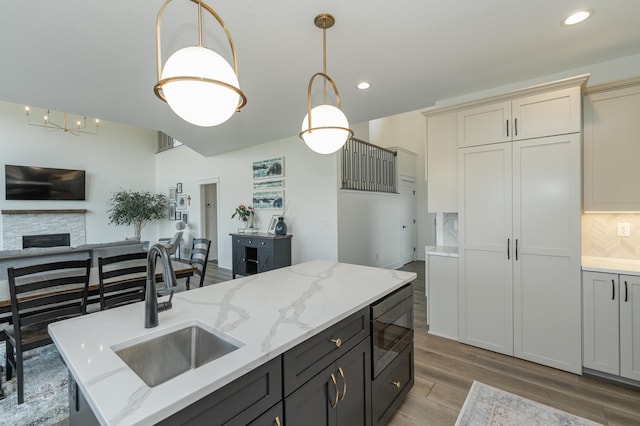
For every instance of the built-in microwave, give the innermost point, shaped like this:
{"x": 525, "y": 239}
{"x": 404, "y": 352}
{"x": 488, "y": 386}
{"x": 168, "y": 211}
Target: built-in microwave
{"x": 391, "y": 327}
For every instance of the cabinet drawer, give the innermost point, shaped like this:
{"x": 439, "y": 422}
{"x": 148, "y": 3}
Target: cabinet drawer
{"x": 312, "y": 356}
{"x": 390, "y": 387}
{"x": 272, "y": 417}
{"x": 237, "y": 403}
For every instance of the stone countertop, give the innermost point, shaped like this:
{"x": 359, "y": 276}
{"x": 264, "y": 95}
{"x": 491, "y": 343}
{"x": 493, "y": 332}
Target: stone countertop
{"x": 611, "y": 265}
{"x": 451, "y": 251}
{"x": 268, "y": 313}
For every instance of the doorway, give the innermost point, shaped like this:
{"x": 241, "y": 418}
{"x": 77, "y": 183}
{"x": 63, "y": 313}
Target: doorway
{"x": 209, "y": 214}
{"x": 408, "y": 217}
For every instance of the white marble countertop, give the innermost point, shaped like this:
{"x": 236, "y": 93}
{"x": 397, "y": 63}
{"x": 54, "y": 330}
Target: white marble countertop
{"x": 268, "y": 313}
{"x": 441, "y": 251}
{"x": 611, "y": 265}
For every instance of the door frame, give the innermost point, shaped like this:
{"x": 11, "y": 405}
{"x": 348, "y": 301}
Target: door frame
{"x": 201, "y": 184}
{"x": 412, "y": 207}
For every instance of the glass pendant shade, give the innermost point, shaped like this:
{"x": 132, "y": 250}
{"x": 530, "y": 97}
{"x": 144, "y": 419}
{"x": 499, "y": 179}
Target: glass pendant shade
{"x": 330, "y": 129}
{"x": 198, "y": 102}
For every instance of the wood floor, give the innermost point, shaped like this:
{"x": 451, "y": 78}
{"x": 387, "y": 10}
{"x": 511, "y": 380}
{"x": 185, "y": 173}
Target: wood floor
{"x": 445, "y": 370}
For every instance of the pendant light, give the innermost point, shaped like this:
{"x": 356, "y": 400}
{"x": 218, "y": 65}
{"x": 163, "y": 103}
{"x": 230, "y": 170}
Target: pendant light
{"x": 198, "y": 84}
{"x": 325, "y": 128}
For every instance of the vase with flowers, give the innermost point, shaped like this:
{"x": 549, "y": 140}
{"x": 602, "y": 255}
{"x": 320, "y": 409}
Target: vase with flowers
{"x": 245, "y": 214}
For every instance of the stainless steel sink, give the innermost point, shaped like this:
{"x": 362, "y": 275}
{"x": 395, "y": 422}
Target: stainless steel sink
{"x": 164, "y": 357}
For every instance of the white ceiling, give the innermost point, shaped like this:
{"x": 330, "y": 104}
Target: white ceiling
{"x": 97, "y": 58}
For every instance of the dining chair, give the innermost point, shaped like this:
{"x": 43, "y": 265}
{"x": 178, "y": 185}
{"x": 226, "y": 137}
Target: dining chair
{"x": 122, "y": 279}
{"x": 40, "y": 295}
{"x": 199, "y": 257}
{"x": 173, "y": 245}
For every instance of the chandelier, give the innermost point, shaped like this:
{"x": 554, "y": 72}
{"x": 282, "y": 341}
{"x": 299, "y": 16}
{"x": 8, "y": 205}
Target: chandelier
{"x": 198, "y": 84}
{"x": 51, "y": 126}
{"x": 325, "y": 128}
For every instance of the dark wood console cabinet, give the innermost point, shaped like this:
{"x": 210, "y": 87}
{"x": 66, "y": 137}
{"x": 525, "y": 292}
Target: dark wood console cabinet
{"x": 255, "y": 253}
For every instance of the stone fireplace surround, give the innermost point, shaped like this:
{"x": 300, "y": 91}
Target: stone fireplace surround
{"x": 16, "y": 223}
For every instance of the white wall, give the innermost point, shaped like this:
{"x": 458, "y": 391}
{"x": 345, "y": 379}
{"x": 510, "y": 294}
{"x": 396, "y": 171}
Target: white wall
{"x": 310, "y": 194}
{"x": 408, "y": 131}
{"x": 119, "y": 156}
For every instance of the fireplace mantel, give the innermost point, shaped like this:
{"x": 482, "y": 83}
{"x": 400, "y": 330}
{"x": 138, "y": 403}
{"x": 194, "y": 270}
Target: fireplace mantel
{"x": 59, "y": 211}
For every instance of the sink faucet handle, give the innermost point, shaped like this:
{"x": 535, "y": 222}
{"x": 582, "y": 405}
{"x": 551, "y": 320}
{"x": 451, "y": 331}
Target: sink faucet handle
{"x": 165, "y": 306}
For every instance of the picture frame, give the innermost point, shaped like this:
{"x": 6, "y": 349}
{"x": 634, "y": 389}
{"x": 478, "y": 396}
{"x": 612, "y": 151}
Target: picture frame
{"x": 181, "y": 202}
{"x": 268, "y": 200}
{"x": 178, "y": 216}
{"x": 262, "y": 185}
{"x": 172, "y": 194}
{"x": 268, "y": 169}
{"x": 272, "y": 224}
{"x": 179, "y": 188}
{"x": 184, "y": 218}
{"x": 172, "y": 211}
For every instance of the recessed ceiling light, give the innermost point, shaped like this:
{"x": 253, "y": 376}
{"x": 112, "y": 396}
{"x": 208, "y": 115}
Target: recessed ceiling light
{"x": 363, "y": 85}
{"x": 578, "y": 17}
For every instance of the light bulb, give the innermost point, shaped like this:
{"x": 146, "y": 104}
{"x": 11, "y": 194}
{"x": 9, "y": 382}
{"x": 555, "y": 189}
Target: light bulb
{"x": 199, "y": 102}
{"x": 325, "y": 141}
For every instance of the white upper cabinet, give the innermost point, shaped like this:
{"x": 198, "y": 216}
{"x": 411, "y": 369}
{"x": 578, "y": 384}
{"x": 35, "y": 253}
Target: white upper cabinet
{"x": 612, "y": 149}
{"x": 532, "y": 115}
{"x": 442, "y": 163}
{"x": 484, "y": 125}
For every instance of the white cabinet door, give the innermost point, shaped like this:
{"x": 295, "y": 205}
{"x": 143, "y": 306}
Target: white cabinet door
{"x": 547, "y": 114}
{"x": 442, "y": 163}
{"x": 485, "y": 268}
{"x": 630, "y": 327}
{"x": 601, "y": 342}
{"x": 546, "y": 229}
{"x": 443, "y": 296}
{"x": 487, "y": 124}
{"x": 612, "y": 150}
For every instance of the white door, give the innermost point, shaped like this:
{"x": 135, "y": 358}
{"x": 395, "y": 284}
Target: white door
{"x": 630, "y": 326}
{"x": 600, "y": 322}
{"x": 211, "y": 218}
{"x": 485, "y": 247}
{"x": 408, "y": 205}
{"x": 546, "y": 231}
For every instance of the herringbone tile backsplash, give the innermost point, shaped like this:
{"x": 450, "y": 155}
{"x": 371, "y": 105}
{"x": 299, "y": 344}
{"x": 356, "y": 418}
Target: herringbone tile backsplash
{"x": 600, "y": 235}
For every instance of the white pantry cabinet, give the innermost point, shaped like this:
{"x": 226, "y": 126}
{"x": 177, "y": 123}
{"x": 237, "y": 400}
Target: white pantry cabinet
{"x": 612, "y": 147}
{"x": 519, "y": 273}
{"x": 611, "y": 323}
{"x": 538, "y": 115}
{"x": 442, "y": 163}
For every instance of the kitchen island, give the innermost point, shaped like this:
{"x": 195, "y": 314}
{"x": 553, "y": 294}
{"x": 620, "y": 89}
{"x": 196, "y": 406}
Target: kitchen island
{"x": 266, "y": 315}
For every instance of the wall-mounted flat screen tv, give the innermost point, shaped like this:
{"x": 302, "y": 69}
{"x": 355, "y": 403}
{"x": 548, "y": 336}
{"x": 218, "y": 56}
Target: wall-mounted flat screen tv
{"x": 43, "y": 183}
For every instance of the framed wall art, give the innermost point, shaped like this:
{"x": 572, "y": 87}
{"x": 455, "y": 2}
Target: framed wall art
{"x": 179, "y": 188}
{"x": 181, "y": 202}
{"x": 268, "y": 169}
{"x": 268, "y": 199}
{"x": 172, "y": 211}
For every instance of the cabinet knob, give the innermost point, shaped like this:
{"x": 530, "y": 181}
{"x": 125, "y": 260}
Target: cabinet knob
{"x": 262, "y": 243}
{"x": 396, "y": 384}
{"x": 337, "y": 341}
{"x": 249, "y": 241}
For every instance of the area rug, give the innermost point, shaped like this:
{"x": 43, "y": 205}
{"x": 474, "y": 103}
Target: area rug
{"x": 488, "y": 406}
{"x": 46, "y": 394}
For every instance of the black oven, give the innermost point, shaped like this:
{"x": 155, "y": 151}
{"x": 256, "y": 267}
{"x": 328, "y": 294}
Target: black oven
{"x": 391, "y": 327}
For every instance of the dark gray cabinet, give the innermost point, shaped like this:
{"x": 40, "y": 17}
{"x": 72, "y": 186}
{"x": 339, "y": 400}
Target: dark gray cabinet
{"x": 255, "y": 253}
{"x": 391, "y": 386}
{"x": 339, "y": 395}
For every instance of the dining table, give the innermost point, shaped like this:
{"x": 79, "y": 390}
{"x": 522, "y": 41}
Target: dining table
{"x": 181, "y": 269}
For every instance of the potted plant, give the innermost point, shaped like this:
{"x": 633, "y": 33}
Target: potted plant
{"x": 136, "y": 208}
{"x": 245, "y": 214}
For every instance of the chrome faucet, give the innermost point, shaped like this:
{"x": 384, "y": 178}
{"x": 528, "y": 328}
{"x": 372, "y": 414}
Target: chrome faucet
{"x": 151, "y": 305}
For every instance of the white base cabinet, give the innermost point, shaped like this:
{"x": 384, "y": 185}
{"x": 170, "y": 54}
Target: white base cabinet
{"x": 611, "y": 323}
{"x": 442, "y": 297}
